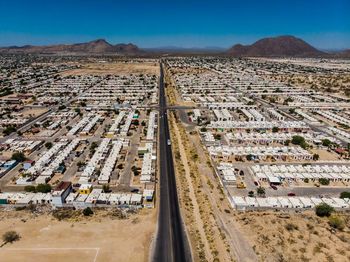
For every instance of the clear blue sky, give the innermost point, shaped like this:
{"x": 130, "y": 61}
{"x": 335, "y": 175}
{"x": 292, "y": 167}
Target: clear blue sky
{"x": 191, "y": 23}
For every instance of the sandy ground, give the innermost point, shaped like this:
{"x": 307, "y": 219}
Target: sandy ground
{"x": 278, "y": 236}
{"x": 33, "y": 112}
{"x": 115, "y": 68}
{"x": 325, "y": 155}
{"x": 97, "y": 238}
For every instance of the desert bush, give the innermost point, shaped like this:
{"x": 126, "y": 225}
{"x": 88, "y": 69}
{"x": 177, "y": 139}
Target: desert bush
{"x": 336, "y": 222}
{"x": 324, "y": 210}
{"x": 291, "y": 227}
{"x": 87, "y": 211}
{"x": 10, "y": 236}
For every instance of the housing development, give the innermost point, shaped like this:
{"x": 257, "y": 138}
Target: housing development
{"x": 195, "y": 156}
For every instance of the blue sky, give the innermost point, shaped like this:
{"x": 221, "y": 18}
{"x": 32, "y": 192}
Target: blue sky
{"x": 191, "y": 23}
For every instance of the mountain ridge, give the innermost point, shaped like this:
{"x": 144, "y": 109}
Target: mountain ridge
{"x": 98, "y": 46}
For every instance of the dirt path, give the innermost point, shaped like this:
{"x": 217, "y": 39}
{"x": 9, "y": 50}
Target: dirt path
{"x": 238, "y": 243}
{"x": 196, "y": 211}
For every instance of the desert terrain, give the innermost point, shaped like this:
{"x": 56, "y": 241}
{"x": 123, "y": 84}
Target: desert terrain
{"x": 104, "y": 236}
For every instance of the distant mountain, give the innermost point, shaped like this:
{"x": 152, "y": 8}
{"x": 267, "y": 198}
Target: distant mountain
{"x": 276, "y": 46}
{"x": 343, "y": 54}
{"x": 185, "y": 50}
{"x": 99, "y": 46}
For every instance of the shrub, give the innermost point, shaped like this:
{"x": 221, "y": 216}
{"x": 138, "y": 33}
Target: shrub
{"x": 316, "y": 157}
{"x": 291, "y": 227}
{"x": 8, "y": 130}
{"x": 326, "y": 142}
{"x": 87, "y": 211}
{"x": 62, "y": 214}
{"x": 336, "y": 222}
{"x": 43, "y": 188}
{"x": 29, "y": 188}
{"x": 260, "y": 191}
{"x": 324, "y": 181}
{"x": 324, "y": 210}
{"x": 106, "y": 189}
{"x": 48, "y": 145}
{"x": 10, "y": 236}
{"x": 306, "y": 180}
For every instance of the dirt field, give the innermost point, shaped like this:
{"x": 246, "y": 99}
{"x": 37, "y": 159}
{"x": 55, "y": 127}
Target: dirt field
{"x": 115, "y": 68}
{"x": 34, "y": 112}
{"x": 98, "y": 238}
{"x": 277, "y": 236}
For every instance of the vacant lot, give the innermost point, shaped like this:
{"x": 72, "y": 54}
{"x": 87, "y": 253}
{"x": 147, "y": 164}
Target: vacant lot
{"x": 277, "y": 236}
{"x": 115, "y": 68}
{"x": 102, "y": 237}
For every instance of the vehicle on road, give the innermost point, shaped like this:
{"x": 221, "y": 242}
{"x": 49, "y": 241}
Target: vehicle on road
{"x": 169, "y": 142}
{"x": 291, "y": 194}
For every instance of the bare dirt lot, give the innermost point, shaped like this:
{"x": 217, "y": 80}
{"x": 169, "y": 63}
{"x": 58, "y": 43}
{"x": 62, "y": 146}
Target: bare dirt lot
{"x": 115, "y": 68}
{"x": 278, "y": 236}
{"x": 101, "y": 237}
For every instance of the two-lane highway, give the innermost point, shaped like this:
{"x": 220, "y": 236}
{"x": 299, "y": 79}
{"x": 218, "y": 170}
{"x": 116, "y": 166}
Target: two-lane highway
{"x": 171, "y": 242}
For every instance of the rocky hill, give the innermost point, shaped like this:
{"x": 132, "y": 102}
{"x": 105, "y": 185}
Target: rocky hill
{"x": 276, "y": 46}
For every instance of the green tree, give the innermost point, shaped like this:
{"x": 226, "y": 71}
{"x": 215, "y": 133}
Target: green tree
{"x": 275, "y": 129}
{"x": 324, "y": 210}
{"x": 299, "y": 140}
{"x": 8, "y": 130}
{"x": 324, "y": 181}
{"x": 18, "y": 156}
{"x": 260, "y": 191}
{"x": 345, "y": 194}
{"x": 43, "y": 188}
{"x": 93, "y": 146}
{"x": 326, "y": 142}
{"x": 87, "y": 211}
{"x": 48, "y": 145}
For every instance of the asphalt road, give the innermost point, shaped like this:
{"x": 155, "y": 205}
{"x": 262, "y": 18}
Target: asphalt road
{"x": 171, "y": 243}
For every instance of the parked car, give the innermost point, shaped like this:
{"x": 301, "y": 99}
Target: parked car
{"x": 273, "y": 187}
{"x": 291, "y": 194}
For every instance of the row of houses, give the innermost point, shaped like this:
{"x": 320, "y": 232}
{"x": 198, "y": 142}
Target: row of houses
{"x": 260, "y": 125}
{"x": 64, "y": 196}
{"x": 277, "y": 174}
{"x": 228, "y": 153}
{"x": 251, "y": 203}
{"x": 110, "y": 162}
{"x": 334, "y": 117}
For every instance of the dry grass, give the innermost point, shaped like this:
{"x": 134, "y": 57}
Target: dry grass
{"x": 115, "y": 68}
{"x": 278, "y": 236}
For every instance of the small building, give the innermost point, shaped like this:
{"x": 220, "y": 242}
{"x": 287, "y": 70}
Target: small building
{"x": 60, "y": 193}
{"x": 85, "y": 189}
